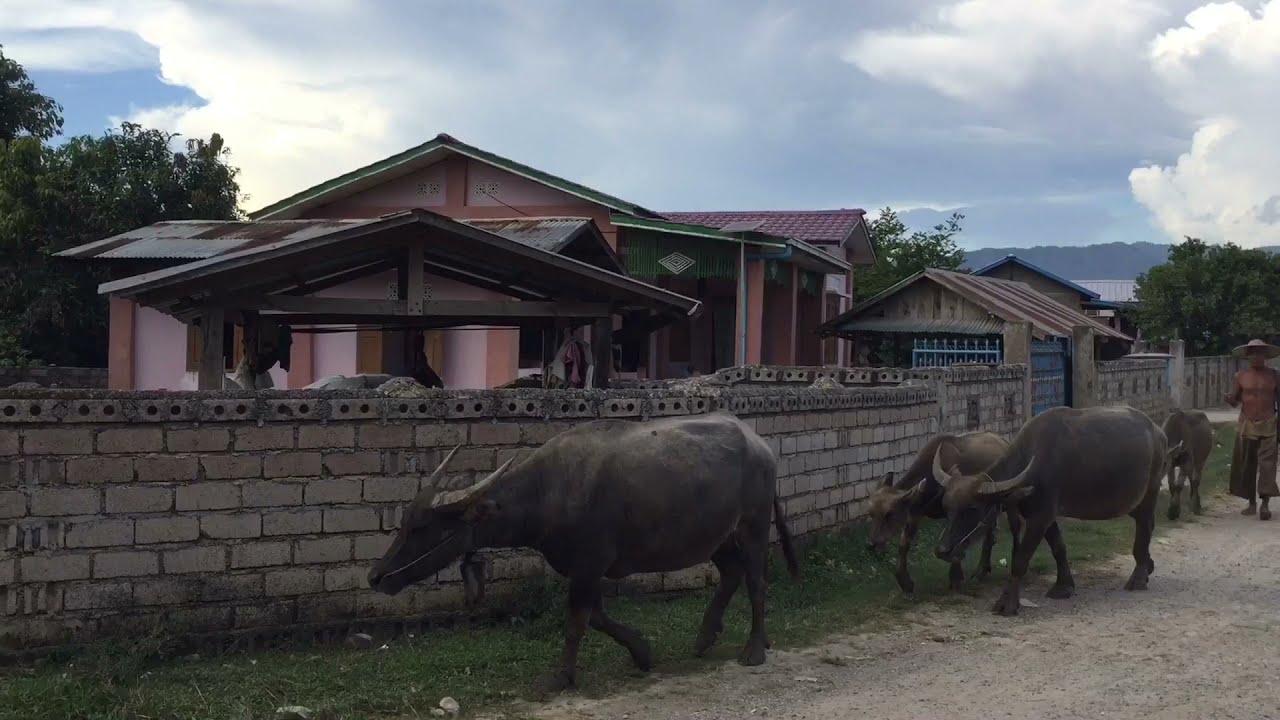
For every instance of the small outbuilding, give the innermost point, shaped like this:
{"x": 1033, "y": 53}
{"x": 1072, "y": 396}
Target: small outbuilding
{"x": 938, "y": 318}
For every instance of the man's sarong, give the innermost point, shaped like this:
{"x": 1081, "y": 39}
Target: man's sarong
{"x": 1253, "y": 461}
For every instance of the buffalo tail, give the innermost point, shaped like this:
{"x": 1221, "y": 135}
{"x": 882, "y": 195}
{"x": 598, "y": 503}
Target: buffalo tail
{"x": 784, "y": 537}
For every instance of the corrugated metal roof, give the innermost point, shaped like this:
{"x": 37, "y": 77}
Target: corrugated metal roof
{"x": 203, "y": 239}
{"x": 813, "y": 226}
{"x": 545, "y": 233}
{"x": 1007, "y": 300}
{"x": 1125, "y": 291}
{"x": 1018, "y": 302}
{"x": 986, "y": 326}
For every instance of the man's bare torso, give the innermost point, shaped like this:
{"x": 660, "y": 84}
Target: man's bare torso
{"x": 1256, "y": 393}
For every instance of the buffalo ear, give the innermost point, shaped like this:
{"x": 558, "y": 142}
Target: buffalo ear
{"x": 887, "y": 480}
{"x": 480, "y": 511}
{"x": 915, "y": 491}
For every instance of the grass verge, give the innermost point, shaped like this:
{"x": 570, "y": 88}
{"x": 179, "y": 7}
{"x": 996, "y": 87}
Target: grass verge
{"x": 842, "y": 587}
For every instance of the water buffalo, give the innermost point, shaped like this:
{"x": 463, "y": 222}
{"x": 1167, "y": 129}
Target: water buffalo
{"x": 1192, "y": 429}
{"x": 607, "y": 499}
{"x": 1089, "y": 464}
{"x": 901, "y": 503}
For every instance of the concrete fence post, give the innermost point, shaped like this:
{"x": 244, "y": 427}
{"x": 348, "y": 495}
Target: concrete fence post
{"x": 1177, "y": 373}
{"x": 1017, "y": 350}
{"x": 1084, "y": 371}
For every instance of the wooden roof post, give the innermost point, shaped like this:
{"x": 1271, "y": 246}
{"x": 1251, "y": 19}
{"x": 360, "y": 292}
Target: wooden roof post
{"x": 212, "y": 362}
{"x": 602, "y": 345}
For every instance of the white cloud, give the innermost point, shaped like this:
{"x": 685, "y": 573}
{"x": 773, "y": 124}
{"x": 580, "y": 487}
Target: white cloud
{"x": 1220, "y": 69}
{"x": 979, "y": 48}
{"x": 304, "y": 95}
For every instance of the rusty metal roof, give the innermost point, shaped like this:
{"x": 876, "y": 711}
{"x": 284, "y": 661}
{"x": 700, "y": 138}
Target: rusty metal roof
{"x": 302, "y": 255}
{"x": 1008, "y": 300}
{"x": 547, "y": 233}
{"x": 203, "y": 239}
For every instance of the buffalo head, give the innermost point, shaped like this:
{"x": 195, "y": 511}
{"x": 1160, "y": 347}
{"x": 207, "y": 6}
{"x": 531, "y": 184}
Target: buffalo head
{"x": 888, "y": 508}
{"x": 972, "y": 503}
{"x": 437, "y": 528}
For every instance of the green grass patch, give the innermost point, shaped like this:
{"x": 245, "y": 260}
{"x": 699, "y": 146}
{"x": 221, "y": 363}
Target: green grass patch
{"x": 843, "y": 588}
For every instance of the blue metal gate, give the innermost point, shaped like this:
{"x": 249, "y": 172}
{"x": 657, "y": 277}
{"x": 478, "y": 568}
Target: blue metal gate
{"x": 1048, "y": 374}
{"x": 945, "y": 352}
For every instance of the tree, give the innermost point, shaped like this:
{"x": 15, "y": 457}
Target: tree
{"x": 901, "y": 253}
{"x": 23, "y": 111}
{"x": 1213, "y": 297}
{"x": 87, "y": 189}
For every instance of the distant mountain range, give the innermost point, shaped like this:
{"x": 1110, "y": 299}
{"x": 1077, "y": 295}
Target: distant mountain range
{"x": 1106, "y": 261}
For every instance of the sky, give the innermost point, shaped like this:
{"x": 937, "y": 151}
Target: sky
{"x": 1045, "y": 122}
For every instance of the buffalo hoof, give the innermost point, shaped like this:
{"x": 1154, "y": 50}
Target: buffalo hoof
{"x": 752, "y": 655}
{"x": 982, "y": 573}
{"x": 1175, "y": 511}
{"x": 1006, "y": 605}
{"x": 704, "y": 643}
{"x": 642, "y": 656}
{"x": 1195, "y": 505}
{"x": 1061, "y": 592}
{"x": 906, "y": 583}
{"x": 1138, "y": 581}
{"x": 1264, "y": 514}
{"x": 558, "y": 682}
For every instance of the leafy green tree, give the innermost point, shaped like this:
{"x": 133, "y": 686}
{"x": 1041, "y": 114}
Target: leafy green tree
{"x": 901, "y": 252}
{"x": 1213, "y": 297}
{"x": 23, "y": 111}
{"x": 87, "y": 189}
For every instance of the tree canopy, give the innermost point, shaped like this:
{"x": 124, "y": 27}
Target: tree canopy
{"x": 1213, "y": 297}
{"x": 86, "y": 188}
{"x": 901, "y": 252}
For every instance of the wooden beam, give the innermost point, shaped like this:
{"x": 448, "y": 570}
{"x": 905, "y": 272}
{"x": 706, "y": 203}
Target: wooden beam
{"x": 212, "y": 363}
{"x": 494, "y": 309}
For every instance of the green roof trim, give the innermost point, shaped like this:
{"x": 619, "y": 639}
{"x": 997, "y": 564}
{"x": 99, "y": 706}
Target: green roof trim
{"x": 701, "y": 231}
{"x": 446, "y": 143}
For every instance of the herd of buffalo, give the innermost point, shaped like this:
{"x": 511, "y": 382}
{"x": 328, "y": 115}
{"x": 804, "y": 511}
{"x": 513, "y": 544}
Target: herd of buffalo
{"x": 611, "y": 498}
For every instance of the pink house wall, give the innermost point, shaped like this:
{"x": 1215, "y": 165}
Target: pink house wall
{"x": 160, "y": 354}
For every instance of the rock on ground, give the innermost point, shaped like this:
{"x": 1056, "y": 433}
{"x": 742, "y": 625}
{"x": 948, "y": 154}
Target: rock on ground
{"x": 1202, "y": 642}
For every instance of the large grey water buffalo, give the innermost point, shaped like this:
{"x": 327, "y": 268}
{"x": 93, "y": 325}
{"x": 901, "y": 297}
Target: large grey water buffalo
{"x": 1193, "y": 430}
{"x": 1088, "y": 464}
{"x": 900, "y": 503}
{"x": 607, "y": 499}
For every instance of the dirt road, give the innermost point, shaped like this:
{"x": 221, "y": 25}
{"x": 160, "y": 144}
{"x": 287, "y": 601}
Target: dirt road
{"x": 1202, "y": 643}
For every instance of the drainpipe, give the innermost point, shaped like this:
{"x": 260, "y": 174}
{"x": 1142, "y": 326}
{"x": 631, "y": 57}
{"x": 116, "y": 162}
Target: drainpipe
{"x": 742, "y": 301}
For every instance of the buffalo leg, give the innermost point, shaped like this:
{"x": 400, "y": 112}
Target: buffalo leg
{"x": 728, "y": 560}
{"x": 1195, "y": 491}
{"x": 1144, "y": 521}
{"x": 903, "y": 575}
{"x": 988, "y": 544}
{"x": 1008, "y": 602}
{"x": 1175, "y": 494}
{"x": 1065, "y": 586}
{"x": 756, "y": 558}
{"x": 1015, "y": 530}
{"x": 623, "y": 635}
{"x": 583, "y": 596}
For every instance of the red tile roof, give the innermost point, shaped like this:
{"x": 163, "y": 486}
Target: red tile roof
{"x": 824, "y": 227}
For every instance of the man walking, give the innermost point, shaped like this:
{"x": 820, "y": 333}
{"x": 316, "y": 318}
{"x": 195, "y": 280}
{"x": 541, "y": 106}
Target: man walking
{"x": 1253, "y": 461}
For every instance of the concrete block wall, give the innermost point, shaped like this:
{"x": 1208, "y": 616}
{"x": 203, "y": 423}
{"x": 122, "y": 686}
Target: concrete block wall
{"x": 1143, "y": 384}
{"x": 979, "y": 397}
{"x": 212, "y": 513}
{"x": 1207, "y": 379}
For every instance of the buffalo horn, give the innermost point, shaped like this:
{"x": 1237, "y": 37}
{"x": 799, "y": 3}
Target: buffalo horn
{"x": 443, "y": 464}
{"x": 996, "y": 488}
{"x": 457, "y": 499}
{"x": 940, "y": 476}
